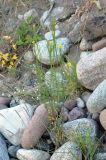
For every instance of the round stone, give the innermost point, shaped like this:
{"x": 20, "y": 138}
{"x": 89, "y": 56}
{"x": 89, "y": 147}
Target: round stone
{"x": 103, "y": 118}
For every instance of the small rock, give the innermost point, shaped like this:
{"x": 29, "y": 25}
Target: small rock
{"x": 68, "y": 151}
{"x": 42, "y": 52}
{"x": 80, "y": 103}
{"x": 81, "y": 126}
{"x": 16, "y": 120}
{"x": 99, "y": 45}
{"x": 85, "y": 45}
{"x": 5, "y": 100}
{"x": 31, "y": 13}
{"x": 97, "y": 100}
{"x": 36, "y": 127}
{"x": 2, "y": 106}
{"x": 91, "y": 70}
{"x": 95, "y": 116}
{"x": 70, "y": 104}
{"x": 12, "y": 150}
{"x": 20, "y": 17}
{"x": 49, "y": 35}
{"x": 32, "y": 154}
{"x": 29, "y": 57}
{"x": 100, "y": 156}
{"x": 3, "y": 149}
{"x": 85, "y": 96}
{"x": 76, "y": 113}
{"x": 103, "y": 118}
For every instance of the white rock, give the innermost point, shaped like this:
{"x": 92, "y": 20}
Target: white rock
{"x": 100, "y": 156}
{"x": 85, "y": 45}
{"x": 86, "y": 54}
{"x": 49, "y": 35}
{"x": 80, "y": 103}
{"x": 31, "y": 13}
{"x": 20, "y": 17}
{"x": 68, "y": 151}
{"x": 14, "y": 120}
{"x": 43, "y": 55}
{"x": 32, "y": 154}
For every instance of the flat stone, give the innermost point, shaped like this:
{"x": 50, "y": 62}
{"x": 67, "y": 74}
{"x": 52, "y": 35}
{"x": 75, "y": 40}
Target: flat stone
{"x": 97, "y": 100}
{"x": 32, "y": 154}
{"x": 16, "y": 120}
{"x": 43, "y": 55}
{"x": 91, "y": 70}
{"x": 68, "y": 151}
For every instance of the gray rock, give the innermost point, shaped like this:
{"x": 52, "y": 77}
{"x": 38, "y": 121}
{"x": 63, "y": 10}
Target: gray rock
{"x": 80, "y": 103}
{"x": 68, "y": 151}
{"x": 43, "y": 55}
{"x": 100, "y": 156}
{"x": 86, "y": 54}
{"x": 49, "y": 35}
{"x": 91, "y": 70}
{"x": 16, "y": 120}
{"x": 3, "y": 149}
{"x": 85, "y": 96}
{"x": 85, "y": 45}
{"x": 97, "y": 100}
{"x": 47, "y": 16}
{"x": 29, "y": 57}
{"x": 81, "y": 127}
{"x": 3, "y": 106}
{"x": 32, "y": 154}
{"x": 12, "y": 150}
{"x": 31, "y": 13}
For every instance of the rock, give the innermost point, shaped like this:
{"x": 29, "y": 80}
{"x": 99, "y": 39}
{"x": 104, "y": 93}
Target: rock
{"x": 99, "y": 45}
{"x": 12, "y": 150}
{"x": 15, "y": 119}
{"x": 80, "y": 103}
{"x": 97, "y": 100}
{"x": 103, "y": 118}
{"x": 29, "y": 57}
{"x": 68, "y": 151}
{"x": 76, "y": 113}
{"x": 49, "y": 35}
{"x": 81, "y": 127}
{"x": 3, "y": 149}
{"x": 36, "y": 127}
{"x": 54, "y": 78}
{"x": 5, "y": 100}
{"x": 95, "y": 20}
{"x": 95, "y": 116}
{"x": 75, "y": 35}
{"x": 47, "y": 16}
{"x": 20, "y": 17}
{"x": 13, "y": 159}
{"x": 100, "y": 156}
{"x": 32, "y": 154}
{"x": 31, "y": 13}
{"x": 43, "y": 55}
{"x": 44, "y": 145}
{"x": 2, "y": 106}
{"x": 70, "y": 104}
{"x": 91, "y": 70}
{"x": 85, "y": 45}
{"x": 86, "y": 54}
{"x": 85, "y": 96}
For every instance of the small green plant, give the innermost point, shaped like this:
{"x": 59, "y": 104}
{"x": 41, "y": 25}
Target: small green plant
{"x": 88, "y": 145}
{"x": 26, "y": 33}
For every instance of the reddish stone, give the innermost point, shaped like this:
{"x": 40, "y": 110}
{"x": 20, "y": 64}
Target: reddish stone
{"x": 37, "y": 126}
{"x": 103, "y": 118}
{"x": 70, "y": 104}
{"x": 5, "y": 100}
{"x": 99, "y": 45}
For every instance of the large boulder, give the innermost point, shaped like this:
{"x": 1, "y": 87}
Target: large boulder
{"x": 91, "y": 69}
